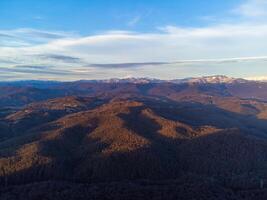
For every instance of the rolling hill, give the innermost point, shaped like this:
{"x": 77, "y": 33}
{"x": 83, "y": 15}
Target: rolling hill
{"x": 134, "y": 139}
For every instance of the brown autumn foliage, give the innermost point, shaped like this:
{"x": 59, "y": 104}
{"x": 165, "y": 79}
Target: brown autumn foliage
{"x": 167, "y": 142}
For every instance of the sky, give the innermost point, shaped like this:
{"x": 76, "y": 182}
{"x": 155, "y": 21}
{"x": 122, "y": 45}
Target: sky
{"x": 99, "y": 39}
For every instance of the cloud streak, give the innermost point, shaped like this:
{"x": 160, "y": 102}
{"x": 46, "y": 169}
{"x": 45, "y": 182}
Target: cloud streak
{"x": 62, "y": 58}
{"x": 134, "y": 21}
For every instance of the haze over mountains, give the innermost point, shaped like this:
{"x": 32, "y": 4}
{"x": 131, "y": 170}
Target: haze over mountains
{"x": 196, "y": 138}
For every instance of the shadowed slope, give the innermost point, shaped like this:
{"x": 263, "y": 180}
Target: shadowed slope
{"x": 135, "y": 140}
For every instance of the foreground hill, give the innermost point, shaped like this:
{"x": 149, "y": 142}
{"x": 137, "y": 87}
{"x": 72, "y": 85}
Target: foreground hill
{"x": 148, "y": 140}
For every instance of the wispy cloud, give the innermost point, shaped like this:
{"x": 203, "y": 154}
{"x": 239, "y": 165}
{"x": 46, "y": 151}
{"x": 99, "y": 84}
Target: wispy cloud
{"x": 134, "y": 21}
{"x": 128, "y": 65}
{"x": 24, "y": 69}
{"x": 252, "y": 8}
{"x": 62, "y": 58}
{"x": 28, "y": 37}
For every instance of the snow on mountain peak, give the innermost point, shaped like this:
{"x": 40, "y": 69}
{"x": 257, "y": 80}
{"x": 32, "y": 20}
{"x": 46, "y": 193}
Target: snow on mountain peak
{"x": 211, "y": 79}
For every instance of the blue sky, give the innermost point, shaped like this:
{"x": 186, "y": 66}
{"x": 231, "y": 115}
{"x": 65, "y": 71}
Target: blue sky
{"x": 97, "y": 39}
{"x": 92, "y": 16}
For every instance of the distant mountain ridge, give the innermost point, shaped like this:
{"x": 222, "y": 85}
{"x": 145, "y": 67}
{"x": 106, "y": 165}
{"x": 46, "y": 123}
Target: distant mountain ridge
{"x": 212, "y": 79}
{"x": 204, "y": 79}
{"x": 20, "y": 93}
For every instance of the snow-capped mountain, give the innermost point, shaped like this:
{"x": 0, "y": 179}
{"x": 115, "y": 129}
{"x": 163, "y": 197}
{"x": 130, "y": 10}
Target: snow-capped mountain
{"x": 132, "y": 80}
{"x": 210, "y": 79}
{"x": 201, "y": 80}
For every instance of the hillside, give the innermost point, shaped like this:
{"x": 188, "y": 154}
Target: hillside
{"x": 135, "y": 141}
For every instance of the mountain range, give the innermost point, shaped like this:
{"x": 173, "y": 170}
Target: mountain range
{"x": 134, "y": 138}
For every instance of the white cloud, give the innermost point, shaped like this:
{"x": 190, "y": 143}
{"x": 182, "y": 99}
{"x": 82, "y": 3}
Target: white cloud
{"x": 172, "y": 44}
{"x": 28, "y": 37}
{"x": 253, "y": 8}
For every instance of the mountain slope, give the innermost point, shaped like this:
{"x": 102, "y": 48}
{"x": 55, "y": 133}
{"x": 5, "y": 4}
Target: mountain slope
{"x": 93, "y": 145}
{"x": 161, "y": 138}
